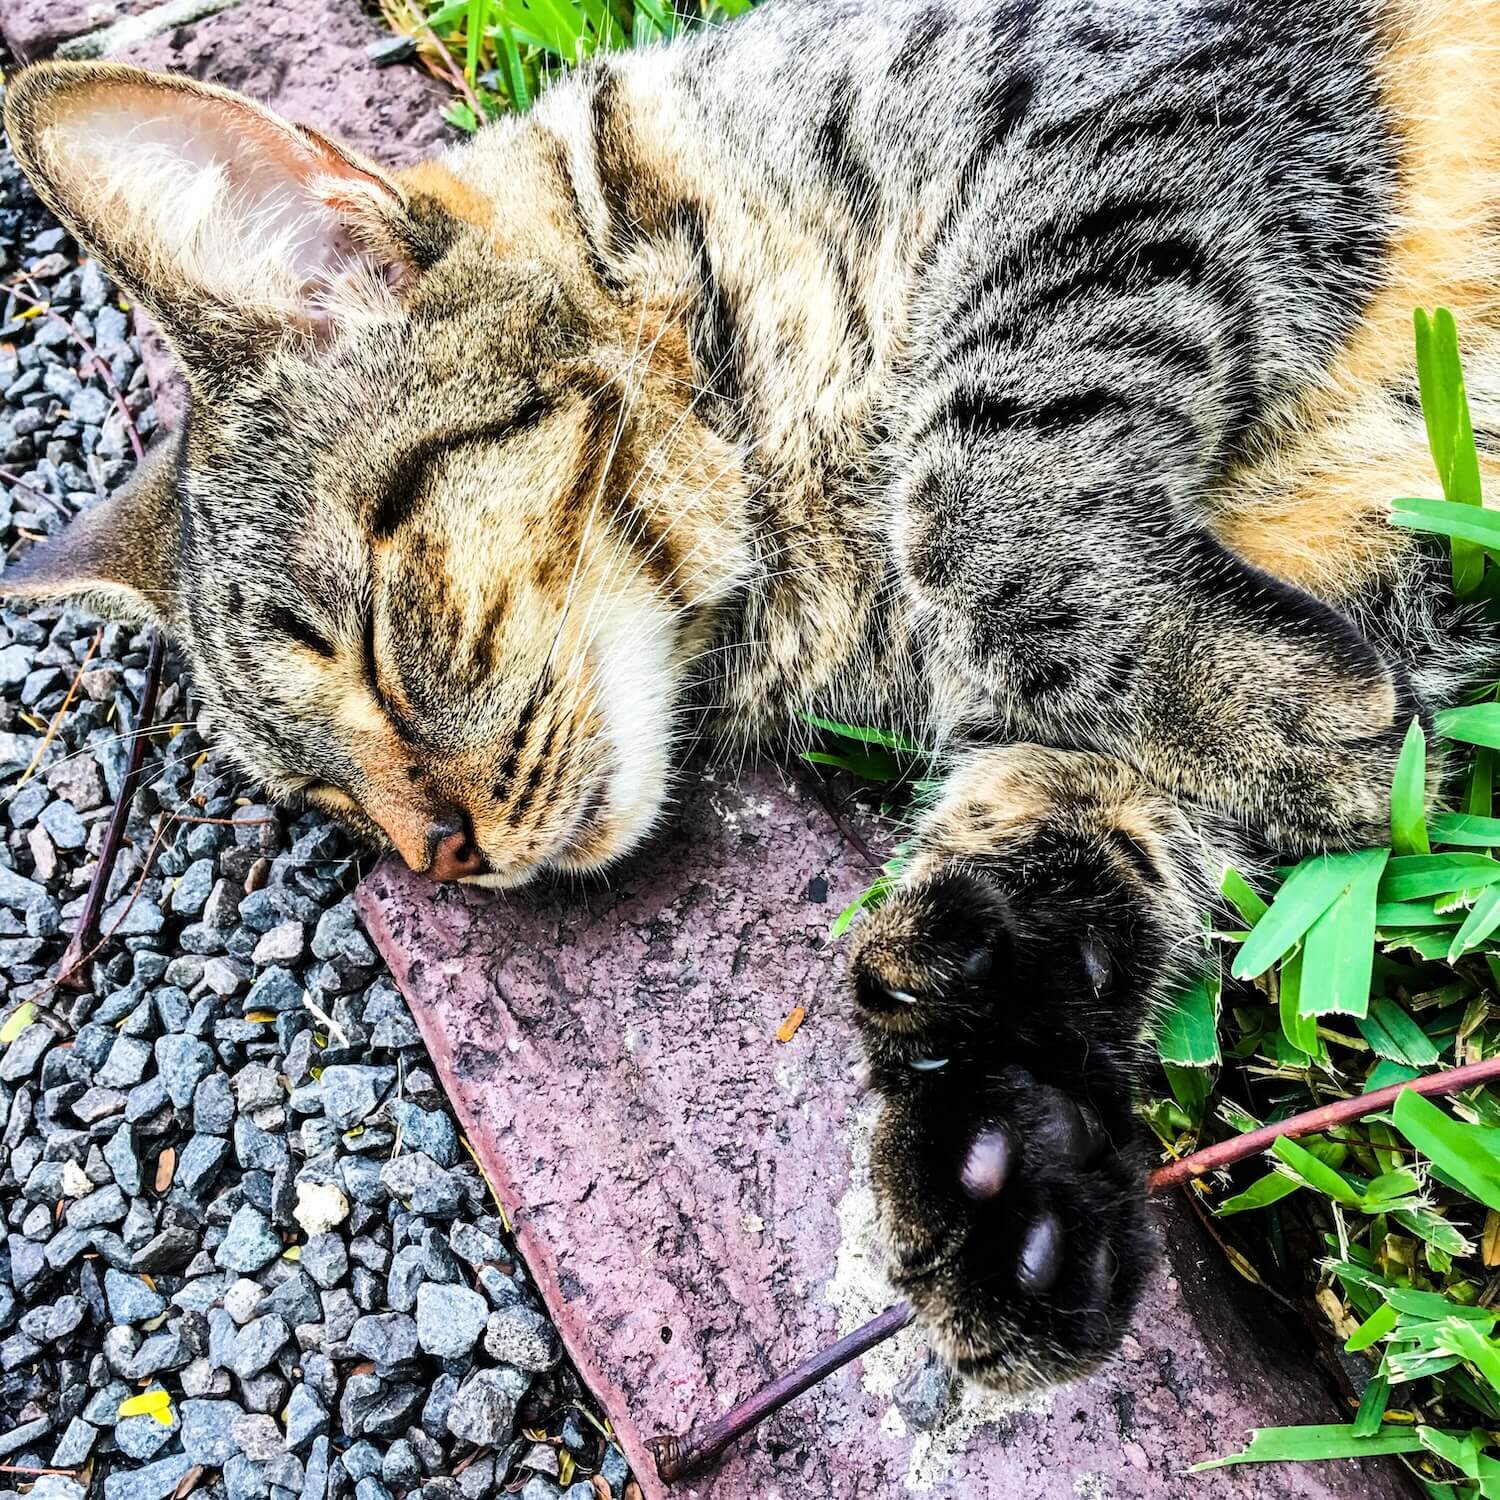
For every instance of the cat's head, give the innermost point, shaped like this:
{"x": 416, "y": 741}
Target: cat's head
{"x": 442, "y": 530}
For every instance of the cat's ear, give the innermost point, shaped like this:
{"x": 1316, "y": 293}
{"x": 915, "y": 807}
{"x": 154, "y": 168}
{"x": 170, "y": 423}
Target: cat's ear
{"x": 228, "y": 223}
{"x": 118, "y": 558}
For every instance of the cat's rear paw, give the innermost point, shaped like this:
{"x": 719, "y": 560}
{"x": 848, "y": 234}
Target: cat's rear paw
{"x": 1006, "y": 1162}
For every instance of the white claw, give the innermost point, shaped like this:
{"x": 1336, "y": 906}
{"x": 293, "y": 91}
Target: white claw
{"x": 929, "y": 1064}
{"x": 902, "y": 996}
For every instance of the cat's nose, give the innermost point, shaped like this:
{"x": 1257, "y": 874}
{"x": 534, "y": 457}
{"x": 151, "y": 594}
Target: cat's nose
{"x": 452, "y": 853}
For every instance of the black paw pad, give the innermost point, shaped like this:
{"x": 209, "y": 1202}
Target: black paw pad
{"x": 1039, "y": 1262}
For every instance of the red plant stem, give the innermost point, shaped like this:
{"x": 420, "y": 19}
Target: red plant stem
{"x": 677, "y": 1458}
{"x": 1312, "y": 1121}
{"x": 69, "y": 975}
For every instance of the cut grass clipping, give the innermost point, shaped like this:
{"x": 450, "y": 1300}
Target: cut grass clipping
{"x": 1352, "y": 972}
{"x": 499, "y": 54}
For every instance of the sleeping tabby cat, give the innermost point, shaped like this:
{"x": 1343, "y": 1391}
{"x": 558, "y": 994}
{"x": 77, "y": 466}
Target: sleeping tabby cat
{"x": 1032, "y": 376}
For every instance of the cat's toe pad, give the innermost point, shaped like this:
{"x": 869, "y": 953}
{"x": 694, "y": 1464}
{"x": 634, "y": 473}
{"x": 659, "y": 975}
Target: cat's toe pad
{"x": 1016, "y": 1223}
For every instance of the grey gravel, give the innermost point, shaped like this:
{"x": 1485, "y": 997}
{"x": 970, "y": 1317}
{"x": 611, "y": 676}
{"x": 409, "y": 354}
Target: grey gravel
{"x": 522, "y": 1337}
{"x": 130, "y": 1299}
{"x": 250, "y": 1242}
{"x": 449, "y": 1319}
{"x": 484, "y": 1409}
{"x": 208, "y": 1430}
{"x": 296, "y": 1193}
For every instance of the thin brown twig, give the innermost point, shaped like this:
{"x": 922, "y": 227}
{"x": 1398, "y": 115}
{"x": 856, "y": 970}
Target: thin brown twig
{"x": 64, "y": 975}
{"x": 437, "y": 51}
{"x": 81, "y": 946}
{"x": 821, "y": 791}
{"x": 473, "y": 1458}
{"x": 677, "y": 1458}
{"x": 67, "y": 703}
{"x": 1313, "y": 1121}
{"x": 101, "y": 367}
{"x": 28, "y": 1469}
{"x": 226, "y": 822}
{"x": 15, "y": 481}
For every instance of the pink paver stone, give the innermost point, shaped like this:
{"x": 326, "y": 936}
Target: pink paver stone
{"x": 691, "y": 1197}
{"x": 34, "y": 28}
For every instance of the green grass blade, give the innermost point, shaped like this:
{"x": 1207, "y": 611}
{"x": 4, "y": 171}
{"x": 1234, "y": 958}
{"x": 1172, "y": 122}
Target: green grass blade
{"x": 1261, "y": 1193}
{"x": 1415, "y": 1047}
{"x": 1237, "y": 891}
{"x": 1448, "y": 518}
{"x": 865, "y": 735}
{"x": 1410, "y": 877}
{"x": 1306, "y": 894}
{"x": 1479, "y": 794}
{"x": 477, "y": 15}
{"x": 1452, "y": 1145}
{"x": 1305, "y": 1168}
{"x": 1338, "y": 953}
{"x": 1465, "y": 1340}
{"x": 866, "y": 767}
{"x": 1436, "y": 393}
{"x": 515, "y": 68}
{"x": 1450, "y": 435}
{"x": 1273, "y": 1445}
{"x": 1372, "y": 1405}
{"x": 1396, "y": 915}
{"x": 1470, "y": 830}
{"x": 1373, "y": 1329}
{"x": 1299, "y": 1030}
{"x": 1478, "y": 724}
{"x": 1187, "y": 1033}
{"x": 1409, "y": 795}
{"x": 1483, "y": 919}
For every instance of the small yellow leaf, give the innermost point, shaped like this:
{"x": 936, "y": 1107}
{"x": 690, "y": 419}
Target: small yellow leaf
{"x": 564, "y": 1468}
{"x": 20, "y": 1018}
{"x": 31, "y": 312}
{"x": 1489, "y": 1247}
{"x": 156, "y": 1403}
{"x": 292, "y": 1252}
{"x": 261, "y": 1017}
{"x": 788, "y": 1028}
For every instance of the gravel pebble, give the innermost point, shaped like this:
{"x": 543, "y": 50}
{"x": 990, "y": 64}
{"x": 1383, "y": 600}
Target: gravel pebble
{"x": 450, "y": 1319}
{"x": 296, "y": 1192}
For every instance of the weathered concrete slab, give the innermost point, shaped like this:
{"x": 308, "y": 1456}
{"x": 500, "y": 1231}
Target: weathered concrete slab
{"x": 691, "y": 1196}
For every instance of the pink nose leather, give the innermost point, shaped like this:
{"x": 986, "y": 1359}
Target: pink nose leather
{"x": 455, "y": 855}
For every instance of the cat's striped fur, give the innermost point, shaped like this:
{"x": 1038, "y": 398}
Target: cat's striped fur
{"x": 1032, "y": 376}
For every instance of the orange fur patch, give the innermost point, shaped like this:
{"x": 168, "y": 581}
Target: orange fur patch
{"x": 432, "y": 179}
{"x": 1313, "y": 510}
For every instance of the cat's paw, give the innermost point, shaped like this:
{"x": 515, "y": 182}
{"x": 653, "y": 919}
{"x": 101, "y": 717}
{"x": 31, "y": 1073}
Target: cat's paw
{"x": 1006, "y": 1160}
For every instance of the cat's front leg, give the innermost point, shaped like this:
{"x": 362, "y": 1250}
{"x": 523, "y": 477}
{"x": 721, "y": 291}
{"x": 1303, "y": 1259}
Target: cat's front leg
{"x": 1003, "y": 993}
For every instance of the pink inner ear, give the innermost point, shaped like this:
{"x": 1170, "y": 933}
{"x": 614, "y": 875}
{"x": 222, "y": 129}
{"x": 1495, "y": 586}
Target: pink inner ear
{"x": 253, "y": 208}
